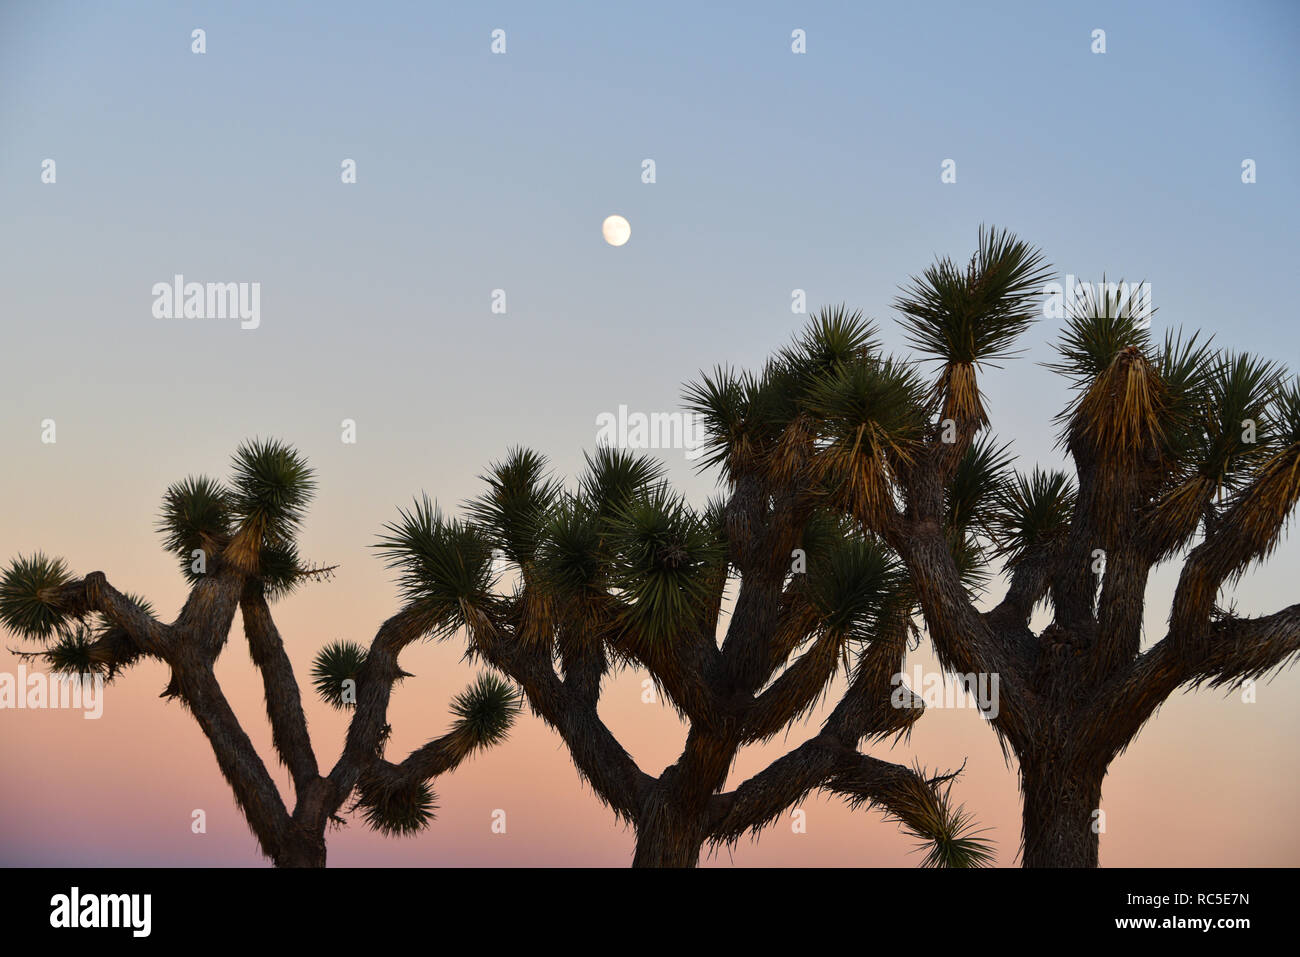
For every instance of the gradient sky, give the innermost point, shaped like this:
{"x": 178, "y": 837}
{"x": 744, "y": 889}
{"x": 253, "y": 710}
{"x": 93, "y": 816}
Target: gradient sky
{"x": 775, "y": 171}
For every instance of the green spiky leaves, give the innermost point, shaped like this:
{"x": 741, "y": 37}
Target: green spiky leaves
{"x": 572, "y": 557}
{"x": 28, "y": 596}
{"x": 75, "y": 642}
{"x": 947, "y": 833}
{"x": 271, "y": 488}
{"x": 719, "y": 401}
{"x": 1122, "y": 408}
{"x": 853, "y": 583}
{"x": 1100, "y": 323}
{"x": 280, "y": 570}
{"x": 833, "y": 338}
{"x": 487, "y": 709}
{"x": 1237, "y": 434}
{"x": 873, "y": 401}
{"x": 513, "y": 510}
{"x": 973, "y": 315}
{"x": 444, "y": 566}
{"x": 72, "y": 653}
{"x": 663, "y": 557}
{"x": 615, "y": 476}
{"x": 395, "y": 801}
{"x": 196, "y": 515}
{"x": 869, "y": 418}
{"x": 397, "y": 809}
{"x": 1285, "y": 414}
{"x": 755, "y": 421}
{"x": 1033, "y": 514}
{"x": 972, "y": 495}
{"x": 334, "y": 673}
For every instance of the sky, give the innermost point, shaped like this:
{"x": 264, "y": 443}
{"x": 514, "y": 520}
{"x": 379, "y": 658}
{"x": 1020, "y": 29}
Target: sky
{"x": 477, "y": 171}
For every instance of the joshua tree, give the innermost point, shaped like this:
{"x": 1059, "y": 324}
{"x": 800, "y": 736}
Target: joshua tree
{"x": 236, "y": 545}
{"x": 1181, "y": 452}
{"x": 558, "y": 588}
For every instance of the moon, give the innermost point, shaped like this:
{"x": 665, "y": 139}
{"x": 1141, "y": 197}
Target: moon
{"x": 616, "y": 230}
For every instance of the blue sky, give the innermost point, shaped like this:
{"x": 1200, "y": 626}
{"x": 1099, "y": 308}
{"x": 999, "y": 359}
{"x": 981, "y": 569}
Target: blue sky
{"x": 775, "y": 171}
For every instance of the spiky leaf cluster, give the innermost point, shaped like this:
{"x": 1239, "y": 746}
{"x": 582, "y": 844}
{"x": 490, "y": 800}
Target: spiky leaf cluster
{"x": 487, "y": 709}
{"x": 1032, "y": 515}
{"x": 335, "y": 664}
{"x": 72, "y": 652}
{"x": 28, "y": 593}
{"x": 852, "y": 583}
{"x": 196, "y": 516}
{"x": 513, "y": 510}
{"x": 444, "y": 566}
{"x": 397, "y": 809}
{"x": 759, "y": 422}
{"x": 970, "y": 315}
{"x": 661, "y": 555}
{"x": 271, "y": 487}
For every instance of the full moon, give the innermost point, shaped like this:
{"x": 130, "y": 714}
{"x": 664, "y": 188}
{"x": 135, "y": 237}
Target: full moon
{"x": 616, "y": 230}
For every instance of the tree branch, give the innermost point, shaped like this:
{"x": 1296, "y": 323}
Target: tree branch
{"x": 795, "y": 691}
{"x": 93, "y": 593}
{"x": 369, "y": 725}
{"x": 596, "y": 753}
{"x": 964, "y": 639}
{"x": 280, "y": 688}
{"x": 1230, "y": 650}
{"x": 255, "y": 791}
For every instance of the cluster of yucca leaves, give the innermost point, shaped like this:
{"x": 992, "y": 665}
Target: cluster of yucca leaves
{"x": 266, "y": 500}
{"x": 271, "y": 488}
{"x": 71, "y": 645}
{"x": 840, "y": 424}
{"x": 1198, "y": 424}
{"x": 621, "y": 550}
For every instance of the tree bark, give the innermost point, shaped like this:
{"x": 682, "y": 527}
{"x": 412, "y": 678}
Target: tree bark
{"x": 671, "y": 827}
{"x": 1061, "y": 827}
{"x": 668, "y": 842}
{"x": 306, "y": 850}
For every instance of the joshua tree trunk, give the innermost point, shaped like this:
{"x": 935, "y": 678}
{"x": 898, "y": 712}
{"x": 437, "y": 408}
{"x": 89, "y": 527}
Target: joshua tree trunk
{"x": 667, "y": 838}
{"x": 1059, "y": 820}
{"x": 673, "y": 823}
{"x": 307, "y": 851}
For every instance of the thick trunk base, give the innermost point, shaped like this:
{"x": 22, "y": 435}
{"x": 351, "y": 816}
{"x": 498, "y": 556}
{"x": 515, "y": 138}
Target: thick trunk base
{"x": 1061, "y": 821}
{"x": 667, "y": 840}
{"x": 307, "y": 853}
{"x": 672, "y": 855}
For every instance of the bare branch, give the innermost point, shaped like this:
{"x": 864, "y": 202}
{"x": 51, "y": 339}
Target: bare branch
{"x": 280, "y": 688}
{"x": 596, "y": 753}
{"x": 1229, "y": 650}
